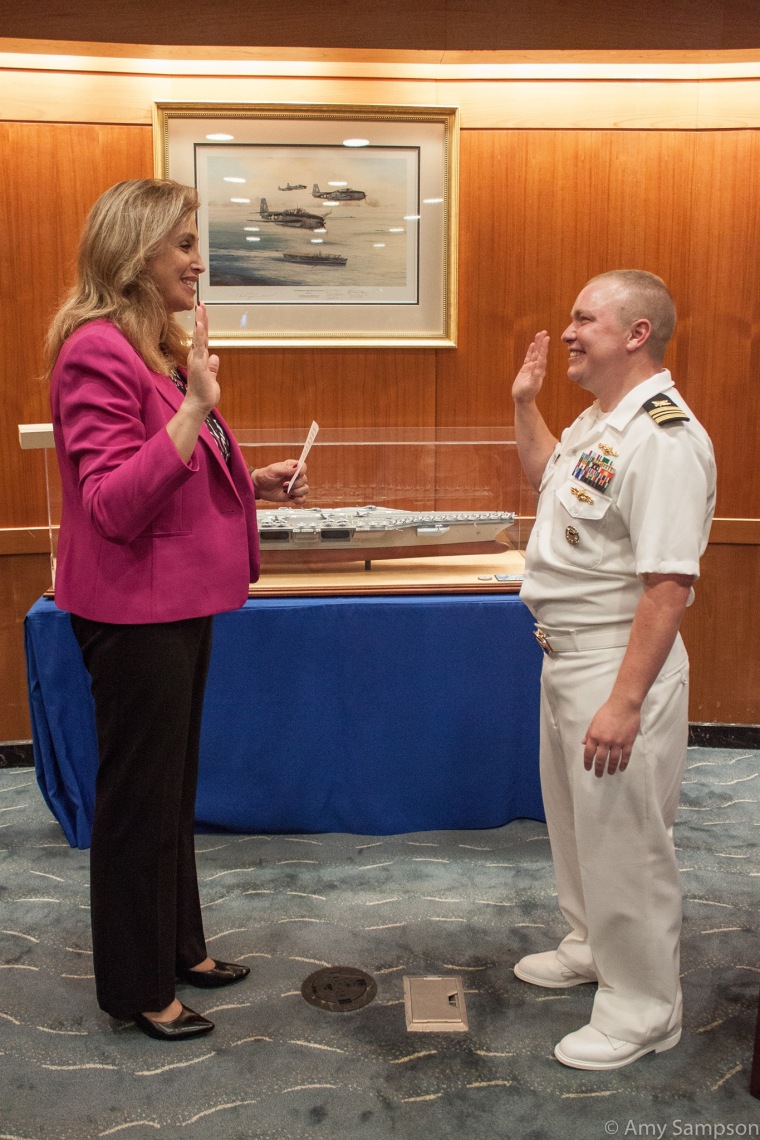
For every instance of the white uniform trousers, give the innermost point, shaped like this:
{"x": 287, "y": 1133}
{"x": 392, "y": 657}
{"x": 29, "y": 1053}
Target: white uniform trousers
{"x": 618, "y": 882}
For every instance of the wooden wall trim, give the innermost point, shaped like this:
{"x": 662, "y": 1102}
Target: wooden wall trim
{"x": 724, "y": 532}
{"x": 36, "y": 539}
{"x": 735, "y": 532}
{"x": 532, "y": 102}
{"x": 168, "y": 59}
{"x": 24, "y": 540}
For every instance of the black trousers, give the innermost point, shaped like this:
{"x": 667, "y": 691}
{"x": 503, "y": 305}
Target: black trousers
{"x": 147, "y": 683}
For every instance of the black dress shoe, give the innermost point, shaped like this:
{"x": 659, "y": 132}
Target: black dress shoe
{"x": 221, "y": 974}
{"x": 188, "y": 1024}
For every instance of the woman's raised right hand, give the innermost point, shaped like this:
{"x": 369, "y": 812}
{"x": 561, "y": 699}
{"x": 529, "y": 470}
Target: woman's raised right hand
{"x": 203, "y": 388}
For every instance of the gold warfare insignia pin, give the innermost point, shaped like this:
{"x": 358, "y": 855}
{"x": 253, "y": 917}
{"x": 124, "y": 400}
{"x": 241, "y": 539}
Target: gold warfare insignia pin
{"x": 581, "y": 496}
{"x": 607, "y": 450}
{"x": 572, "y": 536}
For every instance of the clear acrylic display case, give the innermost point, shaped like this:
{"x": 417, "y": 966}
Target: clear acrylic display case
{"x": 39, "y": 438}
{"x": 414, "y": 469}
{"x": 411, "y": 469}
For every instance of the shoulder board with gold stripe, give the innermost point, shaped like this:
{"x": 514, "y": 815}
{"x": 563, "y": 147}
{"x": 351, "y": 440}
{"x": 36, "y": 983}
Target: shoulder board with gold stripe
{"x": 664, "y": 411}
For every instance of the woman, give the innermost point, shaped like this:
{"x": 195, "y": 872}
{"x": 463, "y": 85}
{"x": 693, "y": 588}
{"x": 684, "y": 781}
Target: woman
{"x": 158, "y": 533}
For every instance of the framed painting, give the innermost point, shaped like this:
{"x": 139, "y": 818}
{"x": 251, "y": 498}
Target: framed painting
{"x": 320, "y": 224}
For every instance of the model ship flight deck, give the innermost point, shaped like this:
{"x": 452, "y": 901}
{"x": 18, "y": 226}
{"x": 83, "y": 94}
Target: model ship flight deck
{"x": 349, "y": 533}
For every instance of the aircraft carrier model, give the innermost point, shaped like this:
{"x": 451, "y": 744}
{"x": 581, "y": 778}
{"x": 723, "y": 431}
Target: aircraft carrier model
{"x": 344, "y": 534}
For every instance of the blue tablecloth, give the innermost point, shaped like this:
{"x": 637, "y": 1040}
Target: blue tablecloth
{"x": 370, "y": 715}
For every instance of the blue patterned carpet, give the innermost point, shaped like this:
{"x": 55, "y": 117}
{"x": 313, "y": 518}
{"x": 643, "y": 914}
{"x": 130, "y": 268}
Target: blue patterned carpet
{"x": 465, "y": 903}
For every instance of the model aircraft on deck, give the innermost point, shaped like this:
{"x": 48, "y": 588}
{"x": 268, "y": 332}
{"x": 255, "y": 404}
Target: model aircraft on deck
{"x": 319, "y": 534}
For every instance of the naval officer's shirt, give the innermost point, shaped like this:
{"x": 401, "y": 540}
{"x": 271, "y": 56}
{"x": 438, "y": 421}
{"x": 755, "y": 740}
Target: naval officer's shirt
{"x": 624, "y": 494}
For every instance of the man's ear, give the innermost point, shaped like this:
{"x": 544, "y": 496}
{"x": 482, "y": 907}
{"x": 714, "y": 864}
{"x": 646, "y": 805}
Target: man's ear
{"x": 639, "y": 334}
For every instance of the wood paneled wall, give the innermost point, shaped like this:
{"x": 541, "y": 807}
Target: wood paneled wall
{"x": 541, "y": 210}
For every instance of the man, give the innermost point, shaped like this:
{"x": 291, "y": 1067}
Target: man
{"x": 625, "y": 505}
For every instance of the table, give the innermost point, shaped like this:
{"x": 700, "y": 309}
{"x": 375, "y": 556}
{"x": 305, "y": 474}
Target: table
{"x": 366, "y": 715}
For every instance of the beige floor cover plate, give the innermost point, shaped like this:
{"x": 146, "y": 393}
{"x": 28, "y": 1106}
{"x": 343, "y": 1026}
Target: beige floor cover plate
{"x": 435, "y": 1005}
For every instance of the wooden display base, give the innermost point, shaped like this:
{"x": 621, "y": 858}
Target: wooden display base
{"x": 463, "y": 574}
{"x": 459, "y": 574}
{"x": 274, "y": 558}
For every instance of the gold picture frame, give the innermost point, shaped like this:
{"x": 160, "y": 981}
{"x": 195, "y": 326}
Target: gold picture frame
{"x": 320, "y": 224}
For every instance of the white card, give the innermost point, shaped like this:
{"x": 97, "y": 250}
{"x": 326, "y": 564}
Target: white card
{"x": 306, "y": 449}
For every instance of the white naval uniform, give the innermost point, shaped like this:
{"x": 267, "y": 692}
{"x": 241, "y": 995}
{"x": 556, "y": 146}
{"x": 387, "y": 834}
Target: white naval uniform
{"x": 621, "y": 496}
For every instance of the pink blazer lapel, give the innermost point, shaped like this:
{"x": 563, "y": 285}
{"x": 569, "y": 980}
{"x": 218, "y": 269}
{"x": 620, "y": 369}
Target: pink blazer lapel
{"x": 169, "y": 392}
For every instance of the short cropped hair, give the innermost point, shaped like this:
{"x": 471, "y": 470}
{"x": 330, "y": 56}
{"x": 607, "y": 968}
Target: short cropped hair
{"x": 644, "y": 294}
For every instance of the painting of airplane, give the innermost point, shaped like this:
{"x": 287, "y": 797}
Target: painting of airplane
{"x": 346, "y": 195}
{"x": 297, "y": 219}
{"x": 297, "y": 186}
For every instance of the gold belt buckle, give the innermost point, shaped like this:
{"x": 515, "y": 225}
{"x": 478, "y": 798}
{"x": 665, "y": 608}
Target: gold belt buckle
{"x": 542, "y": 639}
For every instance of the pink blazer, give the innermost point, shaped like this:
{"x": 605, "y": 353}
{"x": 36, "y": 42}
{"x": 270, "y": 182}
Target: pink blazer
{"x": 144, "y": 536}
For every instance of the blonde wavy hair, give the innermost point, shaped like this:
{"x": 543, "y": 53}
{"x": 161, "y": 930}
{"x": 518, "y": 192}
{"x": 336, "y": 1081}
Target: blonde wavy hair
{"x": 125, "y": 229}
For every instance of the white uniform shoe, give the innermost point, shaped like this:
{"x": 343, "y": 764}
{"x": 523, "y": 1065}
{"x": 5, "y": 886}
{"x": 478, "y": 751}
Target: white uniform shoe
{"x": 546, "y": 970}
{"x": 588, "y": 1048}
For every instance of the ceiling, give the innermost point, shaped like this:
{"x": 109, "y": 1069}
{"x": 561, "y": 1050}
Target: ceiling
{"x": 442, "y": 29}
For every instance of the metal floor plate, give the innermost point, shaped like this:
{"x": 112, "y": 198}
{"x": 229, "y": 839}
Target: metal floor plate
{"x": 435, "y": 1005}
{"x": 339, "y": 989}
